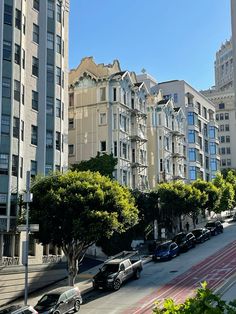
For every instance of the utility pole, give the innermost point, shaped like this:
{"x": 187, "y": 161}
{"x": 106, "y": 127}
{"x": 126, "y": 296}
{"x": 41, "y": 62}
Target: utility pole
{"x": 27, "y": 199}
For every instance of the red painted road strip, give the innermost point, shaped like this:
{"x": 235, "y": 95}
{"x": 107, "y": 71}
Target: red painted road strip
{"x": 215, "y": 269}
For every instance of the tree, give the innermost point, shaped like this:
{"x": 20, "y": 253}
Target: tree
{"x": 76, "y": 208}
{"x": 227, "y": 193}
{"x": 205, "y": 302}
{"x": 212, "y": 193}
{"x": 103, "y": 163}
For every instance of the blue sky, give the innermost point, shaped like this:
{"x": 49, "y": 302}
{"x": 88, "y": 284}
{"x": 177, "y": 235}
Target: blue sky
{"x": 171, "y": 39}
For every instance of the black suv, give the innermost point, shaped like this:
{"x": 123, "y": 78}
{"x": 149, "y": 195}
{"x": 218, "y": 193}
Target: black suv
{"x": 60, "y": 301}
{"x": 185, "y": 241}
{"x": 215, "y": 227}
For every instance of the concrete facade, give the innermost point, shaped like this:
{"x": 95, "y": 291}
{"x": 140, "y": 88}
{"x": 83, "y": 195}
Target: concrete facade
{"x": 107, "y": 114}
{"x": 33, "y": 108}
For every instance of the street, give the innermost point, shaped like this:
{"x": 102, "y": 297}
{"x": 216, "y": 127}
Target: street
{"x": 213, "y": 261}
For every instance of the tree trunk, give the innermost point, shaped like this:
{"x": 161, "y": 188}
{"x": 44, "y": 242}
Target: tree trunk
{"x": 72, "y": 269}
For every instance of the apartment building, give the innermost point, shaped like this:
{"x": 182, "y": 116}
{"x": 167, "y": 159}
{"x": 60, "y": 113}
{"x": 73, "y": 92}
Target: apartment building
{"x": 166, "y": 129}
{"x": 202, "y": 159}
{"x": 107, "y": 114}
{"x": 33, "y": 106}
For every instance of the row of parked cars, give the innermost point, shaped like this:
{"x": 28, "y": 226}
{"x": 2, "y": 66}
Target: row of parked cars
{"x": 182, "y": 242}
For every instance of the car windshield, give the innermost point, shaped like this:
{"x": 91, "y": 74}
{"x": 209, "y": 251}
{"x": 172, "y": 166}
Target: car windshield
{"x": 110, "y": 268}
{"x": 49, "y": 299}
{"x": 178, "y": 237}
{"x": 163, "y": 247}
{"x": 197, "y": 232}
{"x": 210, "y": 224}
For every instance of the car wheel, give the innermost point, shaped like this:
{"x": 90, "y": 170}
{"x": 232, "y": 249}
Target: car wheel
{"x": 137, "y": 274}
{"x": 76, "y": 306}
{"x": 56, "y": 312}
{"x": 116, "y": 284}
{"x": 202, "y": 240}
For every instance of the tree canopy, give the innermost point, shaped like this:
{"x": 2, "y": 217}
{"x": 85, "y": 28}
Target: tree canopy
{"x": 75, "y": 209}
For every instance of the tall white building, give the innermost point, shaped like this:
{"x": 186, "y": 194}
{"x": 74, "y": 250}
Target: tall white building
{"x": 33, "y": 105}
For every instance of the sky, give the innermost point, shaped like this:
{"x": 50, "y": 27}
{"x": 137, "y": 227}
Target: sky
{"x": 170, "y": 39}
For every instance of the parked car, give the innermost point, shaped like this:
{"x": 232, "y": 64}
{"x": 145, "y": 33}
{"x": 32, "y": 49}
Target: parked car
{"x": 185, "y": 241}
{"x": 18, "y": 309}
{"x": 59, "y": 301}
{"x": 234, "y": 217}
{"x": 215, "y": 227}
{"x": 201, "y": 234}
{"x": 165, "y": 251}
{"x": 118, "y": 269}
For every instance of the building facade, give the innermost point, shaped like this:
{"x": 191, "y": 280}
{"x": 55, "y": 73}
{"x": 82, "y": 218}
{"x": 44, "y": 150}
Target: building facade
{"x": 202, "y": 158}
{"x": 33, "y": 106}
{"x": 107, "y": 114}
{"x": 166, "y": 129}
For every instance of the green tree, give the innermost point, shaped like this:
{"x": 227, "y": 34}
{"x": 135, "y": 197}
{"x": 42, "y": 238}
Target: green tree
{"x": 227, "y": 193}
{"x": 212, "y": 192}
{"x": 76, "y": 208}
{"x": 205, "y": 302}
{"x": 103, "y": 163}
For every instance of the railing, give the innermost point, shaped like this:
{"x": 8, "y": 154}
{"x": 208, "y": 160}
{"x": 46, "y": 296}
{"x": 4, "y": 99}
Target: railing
{"x": 9, "y": 261}
{"x": 47, "y": 259}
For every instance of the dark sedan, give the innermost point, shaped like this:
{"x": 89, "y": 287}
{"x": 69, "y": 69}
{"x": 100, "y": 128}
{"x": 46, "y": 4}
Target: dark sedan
{"x": 166, "y": 251}
{"x": 185, "y": 241}
{"x": 201, "y": 234}
{"x": 215, "y": 227}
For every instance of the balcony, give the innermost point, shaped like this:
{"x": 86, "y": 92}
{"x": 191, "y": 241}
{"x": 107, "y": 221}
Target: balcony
{"x": 7, "y": 261}
{"x": 138, "y": 136}
{"x": 178, "y": 155}
{"x": 49, "y": 259}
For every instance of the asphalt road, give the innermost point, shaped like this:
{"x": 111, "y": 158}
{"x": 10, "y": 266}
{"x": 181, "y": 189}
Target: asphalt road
{"x": 213, "y": 261}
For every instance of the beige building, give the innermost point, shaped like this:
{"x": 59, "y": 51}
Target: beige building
{"x": 166, "y": 141}
{"x": 107, "y": 114}
{"x": 33, "y": 118}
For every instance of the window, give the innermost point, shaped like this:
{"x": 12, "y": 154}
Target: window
{"x": 35, "y": 33}
{"x": 71, "y": 149}
{"x": 199, "y": 108}
{"x": 228, "y": 162}
{"x": 49, "y": 139}
{"x": 23, "y": 58}
{"x": 205, "y": 132}
{"x": 71, "y": 123}
{"x": 62, "y": 110}
{"x": 4, "y": 162}
{"x": 16, "y": 125}
{"x": 71, "y": 99}
{"x": 206, "y": 146}
{"x": 213, "y": 164}
{"x": 18, "y": 19}
{"x": 34, "y": 135}
{"x": 57, "y": 167}
{"x": 59, "y": 13}
{"x": 115, "y": 148}
{"x": 50, "y": 73}
{"x": 192, "y": 154}
{"x": 6, "y": 87}
{"x": 6, "y": 50}
{"x": 114, "y": 94}
{"x": 227, "y": 139}
{"x": 102, "y": 118}
{"x": 221, "y": 106}
{"x": 212, "y": 148}
{"x": 5, "y": 124}
{"x": 222, "y": 139}
{"x": 103, "y": 146}
{"x": 58, "y": 75}
{"x": 51, "y": 9}
{"x": 24, "y": 23}
{"x": 190, "y": 118}
{"x": 16, "y": 90}
{"x": 48, "y": 169}
{"x": 35, "y": 100}
{"x": 58, "y": 140}
{"x": 21, "y": 167}
{"x": 212, "y": 132}
{"x": 226, "y": 116}
{"x": 36, "y": 5}
{"x": 221, "y": 116}
{"x": 22, "y": 130}
{"x": 192, "y": 173}
{"x": 115, "y": 121}
{"x": 191, "y": 136}
{"x": 33, "y": 167}
{"x": 17, "y": 54}
{"x": 222, "y": 128}
{"x": 217, "y": 116}
{"x": 207, "y": 162}
{"x": 14, "y": 169}
{"x": 7, "y": 14}
{"x": 102, "y": 93}
{"x": 58, "y": 44}
{"x": 228, "y": 150}
{"x": 205, "y": 112}
{"x": 223, "y": 150}
{"x": 124, "y": 150}
{"x": 22, "y": 94}
{"x": 49, "y": 105}
{"x": 123, "y": 123}
{"x": 50, "y": 41}
{"x": 35, "y": 66}
{"x": 58, "y": 108}
{"x": 226, "y": 127}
